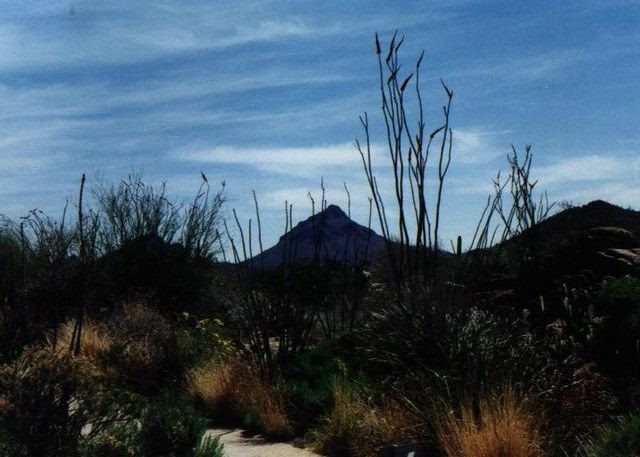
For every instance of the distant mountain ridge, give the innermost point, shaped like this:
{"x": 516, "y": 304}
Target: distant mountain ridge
{"x": 329, "y": 235}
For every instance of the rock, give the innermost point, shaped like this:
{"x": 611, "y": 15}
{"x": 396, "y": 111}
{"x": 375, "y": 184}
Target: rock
{"x": 558, "y": 326}
{"x": 600, "y": 238}
{"x": 617, "y": 261}
{"x": 585, "y": 371}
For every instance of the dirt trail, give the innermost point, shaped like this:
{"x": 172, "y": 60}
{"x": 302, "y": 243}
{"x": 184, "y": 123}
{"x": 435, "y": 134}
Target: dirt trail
{"x": 236, "y": 445}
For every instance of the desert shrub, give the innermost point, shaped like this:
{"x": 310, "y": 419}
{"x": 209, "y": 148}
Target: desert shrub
{"x": 234, "y": 392}
{"x": 42, "y": 414}
{"x": 113, "y": 424}
{"x": 621, "y": 440}
{"x": 618, "y": 339}
{"x": 201, "y": 339}
{"x": 124, "y": 424}
{"x": 310, "y": 380}
{"x": 500, "y": 425}
{"x": 13, "y": 333}
{"x": 143, "y": 352}
{"x": 209, "y": 447}
{"x": 151, "y": 267}
{"x": 355, "y": 426}
{"x": 266, "y": 410}
{"x": 152, "y": 246}
{"x": 8, "y": 445}
{"x": 119, "y": 440}
{"x": 170, "y": 427}
{"x": 436, "y": 350}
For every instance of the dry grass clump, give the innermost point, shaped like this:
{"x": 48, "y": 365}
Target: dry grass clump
{"x": 356, "y": 427}
{"x": 234, "y": 391}
{"x": 213, "y": 385}
{"x": 95, "y": 340}
{"x": 503, "y": 425}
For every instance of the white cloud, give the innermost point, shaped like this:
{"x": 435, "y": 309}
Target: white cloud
{"x": 476, "y": 146}
{"x": 275, "y": 159}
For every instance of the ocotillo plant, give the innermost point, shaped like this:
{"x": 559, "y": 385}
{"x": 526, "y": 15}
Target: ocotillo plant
{"x": 520, "y": 210}
{"x": 409, "y": 147}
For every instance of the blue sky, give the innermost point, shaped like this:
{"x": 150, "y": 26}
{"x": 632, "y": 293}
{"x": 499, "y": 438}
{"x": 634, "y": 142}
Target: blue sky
{"x": 266, "y": 96}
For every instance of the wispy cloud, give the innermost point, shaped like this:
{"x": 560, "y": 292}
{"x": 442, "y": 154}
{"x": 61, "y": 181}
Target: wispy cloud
{"x": 532, "y": 68}
{"x": 283, "y": 160}
{"x": 594, "y": 167}
{"x": 625, "y": 194}
{"x": 88, "y": 33}
{"x": 477, "y": 145}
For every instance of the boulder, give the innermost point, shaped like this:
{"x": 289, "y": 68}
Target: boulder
{"x": 600, "y": 238}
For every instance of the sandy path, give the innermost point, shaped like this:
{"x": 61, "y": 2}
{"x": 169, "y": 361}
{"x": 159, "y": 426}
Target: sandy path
{"x": 236, "y": 445}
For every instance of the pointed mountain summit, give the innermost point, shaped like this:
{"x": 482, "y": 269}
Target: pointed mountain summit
{"x": 328, "y": 236}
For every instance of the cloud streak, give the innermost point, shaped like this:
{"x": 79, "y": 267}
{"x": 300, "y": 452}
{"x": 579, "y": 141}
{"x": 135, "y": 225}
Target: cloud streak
{"x": 588, "y": 168}
{"x": 284, "y": 159}
{"x": 473, "y": 146}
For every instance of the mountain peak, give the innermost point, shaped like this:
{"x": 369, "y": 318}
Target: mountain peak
{"x": 329, "y": 235}
{"x": 335, "y": 211}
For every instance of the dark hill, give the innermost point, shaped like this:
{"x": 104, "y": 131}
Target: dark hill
{"x": 578, "y": 247}
{"x": 577, "y": 220}
{"x": 329, "y": 236}
{"x": 584, "y": 230}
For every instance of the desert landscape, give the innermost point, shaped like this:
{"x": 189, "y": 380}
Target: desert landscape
{"x": 405, "y": 304}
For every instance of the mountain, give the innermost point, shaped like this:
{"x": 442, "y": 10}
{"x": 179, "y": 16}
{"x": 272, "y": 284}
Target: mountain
{"x": 329, "y": 235}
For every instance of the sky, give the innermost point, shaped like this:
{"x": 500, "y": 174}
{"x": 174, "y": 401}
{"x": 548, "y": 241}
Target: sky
{"x": 266, "y": 96}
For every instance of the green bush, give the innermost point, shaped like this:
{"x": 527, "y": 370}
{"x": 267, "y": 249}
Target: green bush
{"x": 170, "y": 427}
{"x": 199, "y": 339}
{"x": 618, "y": 339}
{"x": 310, "y": 384}
{"x": 114, "y": 425}
{"x": 167, "y": 426}
{"x": 119, "y": 440}
{"x": 622, "y": 440}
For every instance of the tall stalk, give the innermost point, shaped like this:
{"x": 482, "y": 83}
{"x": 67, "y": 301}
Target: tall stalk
{"x": 409, "y": 148}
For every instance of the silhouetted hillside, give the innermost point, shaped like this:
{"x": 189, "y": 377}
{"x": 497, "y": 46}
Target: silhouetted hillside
{"x": 578, "y": 247}
{"x": 574, "y": 222}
